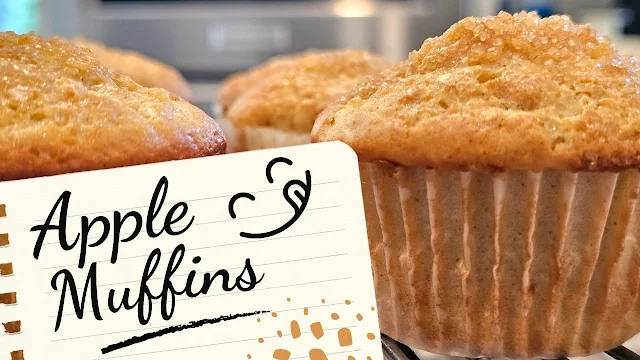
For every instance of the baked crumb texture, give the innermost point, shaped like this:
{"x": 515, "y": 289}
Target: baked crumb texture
{"x": 62, "y": 111}
{"x": 142, "y": 69}
{"x": 236, "y": 84}
{"x": 502, "y": 92}
{"x": 290, "y": 92}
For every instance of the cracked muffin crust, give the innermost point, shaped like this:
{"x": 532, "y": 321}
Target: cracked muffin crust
{"x": 516, "y": 92}
{"x": 62, "y": 111}
{"x": 290, "y": 94}
{"x": 280, "y": 101}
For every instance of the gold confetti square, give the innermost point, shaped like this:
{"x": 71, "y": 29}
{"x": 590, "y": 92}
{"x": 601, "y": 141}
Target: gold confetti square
{"x": 6, "y": 269}
{"x": 4, "y": 239}
{"x": 17, "y": 355}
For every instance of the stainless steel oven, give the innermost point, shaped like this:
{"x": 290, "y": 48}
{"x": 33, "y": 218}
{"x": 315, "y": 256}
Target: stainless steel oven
{"x": 207, "y": 40}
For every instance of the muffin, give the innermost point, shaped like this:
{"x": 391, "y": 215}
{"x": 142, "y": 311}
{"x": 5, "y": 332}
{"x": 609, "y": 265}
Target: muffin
{"x": 280, "y": 101}
{"x": 142, "y": 69}
{"x": 499, "y": 166}
{"x": 237, "y": 83}
{"x": 62, "y": 111}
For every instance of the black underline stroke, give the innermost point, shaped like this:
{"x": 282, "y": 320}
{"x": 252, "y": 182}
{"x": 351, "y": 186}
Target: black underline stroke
{"x": 159, "y": 327}
{"x": 221, "y": 343}
{"x": 175, "y": 328}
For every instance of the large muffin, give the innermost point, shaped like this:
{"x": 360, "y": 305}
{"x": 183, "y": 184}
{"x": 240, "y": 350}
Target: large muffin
{"x": 142, "y": 69}
{"x": 62, "y": 111}
{"x": 282, "y": 99}
{"x": 499, "y": 165}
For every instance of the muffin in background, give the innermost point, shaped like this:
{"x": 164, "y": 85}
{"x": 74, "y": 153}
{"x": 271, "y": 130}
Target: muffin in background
{"x": 280, "y": 101}
{"x": 500, "y": 175}
{"x": 63, "y": 111}
{"x": 238, "y": 83}
{"x": 142, "y": 69}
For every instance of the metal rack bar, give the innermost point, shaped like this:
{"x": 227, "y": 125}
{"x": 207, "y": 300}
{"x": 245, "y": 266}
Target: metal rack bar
{"x": 622, "y": 353}
{"x": 394, "y": 350}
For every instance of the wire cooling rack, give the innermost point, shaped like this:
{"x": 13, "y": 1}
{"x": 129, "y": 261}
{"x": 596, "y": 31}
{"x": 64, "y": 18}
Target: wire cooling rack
{"x": 394, "y": 350}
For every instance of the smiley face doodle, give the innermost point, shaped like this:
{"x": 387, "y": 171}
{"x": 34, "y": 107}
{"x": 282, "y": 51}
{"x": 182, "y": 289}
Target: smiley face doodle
{"x": 303, "y": 197}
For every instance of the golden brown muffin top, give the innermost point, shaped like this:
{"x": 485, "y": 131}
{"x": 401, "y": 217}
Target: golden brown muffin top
{"x": 289, "y": 98}
{"x": 509, "y": 91}
{"x": 62, "y": 111}
{"x": 142, "y": 69}
{"x": 236, "y": 84}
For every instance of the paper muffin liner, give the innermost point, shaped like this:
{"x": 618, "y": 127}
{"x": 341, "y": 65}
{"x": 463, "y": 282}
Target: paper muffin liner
{"x": 255, "y": 137}
{"x": 505, "y": 265}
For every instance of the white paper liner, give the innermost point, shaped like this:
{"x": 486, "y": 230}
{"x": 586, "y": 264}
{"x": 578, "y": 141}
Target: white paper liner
{"x": 256, "y": 138}
{"x": 511, "y": 265}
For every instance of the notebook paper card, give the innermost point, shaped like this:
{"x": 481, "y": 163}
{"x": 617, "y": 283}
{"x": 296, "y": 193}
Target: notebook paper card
{"x": 256, "y": 255}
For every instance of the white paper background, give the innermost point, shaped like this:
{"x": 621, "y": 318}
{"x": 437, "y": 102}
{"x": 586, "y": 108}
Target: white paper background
{"x": 323, "y": 256}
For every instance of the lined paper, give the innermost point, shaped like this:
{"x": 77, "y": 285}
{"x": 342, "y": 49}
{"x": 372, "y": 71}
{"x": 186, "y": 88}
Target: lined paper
{"x": 317, "y": 271}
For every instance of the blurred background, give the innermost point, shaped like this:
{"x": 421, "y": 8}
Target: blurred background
{"x": 209, "y": 39}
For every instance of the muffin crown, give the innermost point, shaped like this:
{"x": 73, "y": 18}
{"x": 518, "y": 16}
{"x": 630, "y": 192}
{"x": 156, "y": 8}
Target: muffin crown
{"x": 289, "y": 93}
{"x": 501, "y": 92}
{"x": 63, "y": 111}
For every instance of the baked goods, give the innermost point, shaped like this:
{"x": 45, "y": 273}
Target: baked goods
{"x": 499, "y": 165}
{"x": 235, "y": 85}
{"x": 238, "y": 83}
{"x": 281, "y": 100}
{"x": 142, "y": 69}
{"x": 62, "y": 111}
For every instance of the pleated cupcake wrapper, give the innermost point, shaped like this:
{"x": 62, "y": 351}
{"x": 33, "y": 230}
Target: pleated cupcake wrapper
{"x": 505, "y": 265}
{"x": 256, "y": 138}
